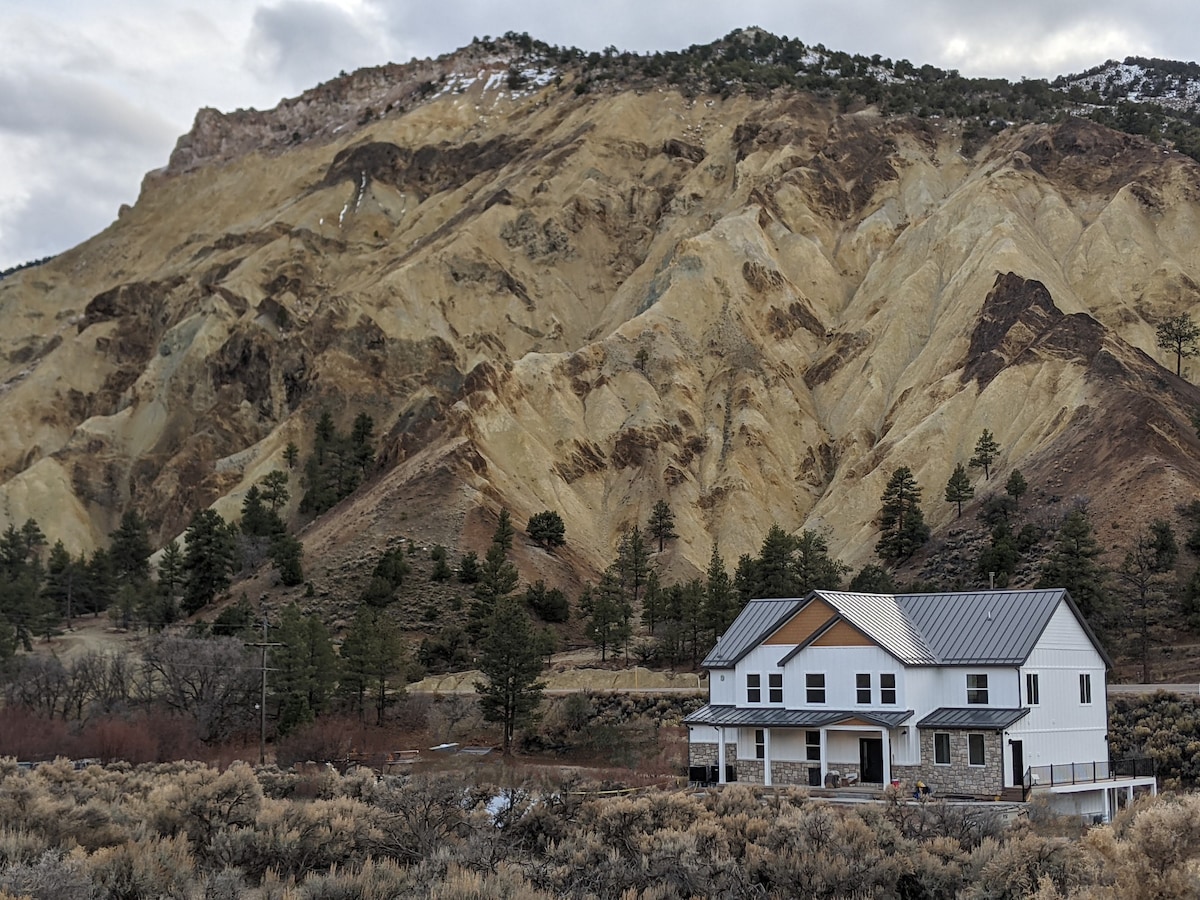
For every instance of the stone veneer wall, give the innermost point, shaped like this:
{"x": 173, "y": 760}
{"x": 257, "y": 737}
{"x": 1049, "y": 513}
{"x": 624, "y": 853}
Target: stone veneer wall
{"x": 706, "y": 754}
{"x": 960, "y": 777}
{"x": 750, "y": 771}
{"x": 791, "y": 772}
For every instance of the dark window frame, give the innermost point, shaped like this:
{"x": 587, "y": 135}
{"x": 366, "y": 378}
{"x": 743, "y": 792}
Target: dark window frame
{"x": 887, "y": 691}
{"x": 976, "y": 740}
{"x": 814, "y": 687}
{"x": 753, "y": 687}
{"x": 775, "y": 687}
{"x": 977, "y": 689}
{"x": 812, "y": 748}
{"x": 1033, "y": 691}
{"x": 860, "y": 688}
{"x": 941, "y": 740}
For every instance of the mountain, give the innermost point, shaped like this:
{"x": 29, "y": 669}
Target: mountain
{"x": 738, "y": 279}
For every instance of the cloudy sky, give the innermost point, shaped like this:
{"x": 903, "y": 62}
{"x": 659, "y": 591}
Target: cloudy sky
{"x": 94, "y": 94}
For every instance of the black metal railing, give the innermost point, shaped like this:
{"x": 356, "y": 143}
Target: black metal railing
{"x": 1088, "y": 772}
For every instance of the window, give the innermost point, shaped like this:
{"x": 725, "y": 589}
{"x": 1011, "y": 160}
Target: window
{"x": 812, "y": 746}
{"x": 814, "y": 684}
{"x": 1031, "y": 688}
{"x": 1085, "y": 687}
{"x": 775, "y": 685}
{"x": 754, "y": 689}
{"x": 941, "y": 748}
{"x": 760, "y": 744}
{"x": 975, "y": 755}
{"x": 862, "y": 682}
{"x": 977, "y": 689}
{"x": 887, "y": 688}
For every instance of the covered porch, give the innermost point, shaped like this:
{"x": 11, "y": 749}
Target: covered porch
{"x": 816, "y": 748}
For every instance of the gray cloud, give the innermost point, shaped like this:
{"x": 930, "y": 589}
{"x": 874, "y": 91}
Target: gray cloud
{"x": 304, "y": 42}
{"x": 94, "y": 97}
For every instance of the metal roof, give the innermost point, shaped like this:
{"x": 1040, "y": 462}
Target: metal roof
{"x": 776, "y": 717}
{"x": 970, "y": 628}
{"x": 884, "y": 620}
{"x": 757, "y": 619}
{"x": 982, "y": 717}
{"x": 985, "y": 627}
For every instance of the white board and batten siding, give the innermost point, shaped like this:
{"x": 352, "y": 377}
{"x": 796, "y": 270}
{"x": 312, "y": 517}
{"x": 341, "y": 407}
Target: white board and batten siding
{"x": 722, "y": 687}
{"x": 938, "y": 686}
{"x": 841, "y": 667}
{"x": 1060, "y": 728}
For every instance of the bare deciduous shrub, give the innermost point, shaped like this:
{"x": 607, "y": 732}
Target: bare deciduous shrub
{"x": 54, "y": 876}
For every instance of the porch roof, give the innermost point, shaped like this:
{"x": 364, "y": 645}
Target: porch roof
{"x": 981, "y": 717}
{"x": 776, "y": 717}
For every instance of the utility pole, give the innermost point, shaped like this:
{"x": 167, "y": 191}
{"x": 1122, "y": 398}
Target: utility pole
{"x": 262, "y": 707}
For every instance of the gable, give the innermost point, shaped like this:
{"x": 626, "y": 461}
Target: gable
{"x": 804, "y": 624}
{"x": 842, "y": 634}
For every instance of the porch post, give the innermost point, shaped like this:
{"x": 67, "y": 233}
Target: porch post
{"x": 766, "y": 757}
{"x": 887, "y": 757}
{"x": 824, "y": 756}
{"x": 721, "y": 754}
{"x": 1107, "y": 806}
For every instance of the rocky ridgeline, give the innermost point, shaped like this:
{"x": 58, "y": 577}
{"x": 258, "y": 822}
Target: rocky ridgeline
{"x": 345, "y": 102}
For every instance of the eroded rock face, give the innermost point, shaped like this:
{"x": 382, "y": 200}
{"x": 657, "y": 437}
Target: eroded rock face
{"x": 754, "y": 308}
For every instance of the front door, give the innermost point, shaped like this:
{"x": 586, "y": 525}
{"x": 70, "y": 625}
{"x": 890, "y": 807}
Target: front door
{"x": 1018, "y": 765}
{"x": 870, "y": 760}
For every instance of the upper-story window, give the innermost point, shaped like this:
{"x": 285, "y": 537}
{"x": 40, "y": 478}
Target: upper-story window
{"x": 1085, "y": 687}
{"x": 754, "y": 688}
{"x": 977, "y": 689}
{"x": 862, "y": 685}
{"x": 775, "y": 687}
{"x": 887, "y": 688}
{"x": 814, "y": 684}
{"x": 1032, "y": 693}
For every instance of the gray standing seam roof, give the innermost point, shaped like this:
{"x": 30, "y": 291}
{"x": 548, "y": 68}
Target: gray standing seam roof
{"x": 757, "y": 619}
{"x": 969, "y": 628}
{"x": 982, "y": 717}
{"x": 996, "y": 627}
{"x": 776, "y": 717}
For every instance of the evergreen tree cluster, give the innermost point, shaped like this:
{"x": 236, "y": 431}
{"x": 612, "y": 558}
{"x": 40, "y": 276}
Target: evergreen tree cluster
{"x": 338, "y": 463}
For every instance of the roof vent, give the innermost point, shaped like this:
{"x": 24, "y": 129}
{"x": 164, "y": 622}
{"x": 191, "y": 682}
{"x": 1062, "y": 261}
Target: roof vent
{"x": 989, "y": 617}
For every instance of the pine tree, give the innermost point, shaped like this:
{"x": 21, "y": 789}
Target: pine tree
{"x": 468, "y": 568}
{"x": 1015, "y": 487}
{"x": 774, "y": 569}
{"x": 547, "y": 529}
{"x": 497, "y": 576}
{"x": 511, "y": 659}
{"x": 287, "y": 553}
{"x": 607, "y": 613}
{"x": 812, "y": 567}
{"x": 291, "y": 454}
{"x": 372, "y": 659}
{"x": 305, "y": 668}
{"x": 959, "y": 488}
{"x": 633, "y": 566}
{"x": 901, "y": 522}
{"x": 872, "y": 579}
{"x": 1072, "y": 564}
{"x": 65, "y": 581}
{"x": 208, "y": 560}
{"x": 1180, "y": 335}
{"x": 275, "y": 489}
{"x": 129, "y": 549}
{"x": 720, "y": 600}
{"x": 661, "y": 526}
{"x": 441, "y": 567}
{"x": 1146, "y": 589}
{"x": 986, "y": 452}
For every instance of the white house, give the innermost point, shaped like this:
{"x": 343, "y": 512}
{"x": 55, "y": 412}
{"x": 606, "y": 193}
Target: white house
{"x": 988, "y": 694}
